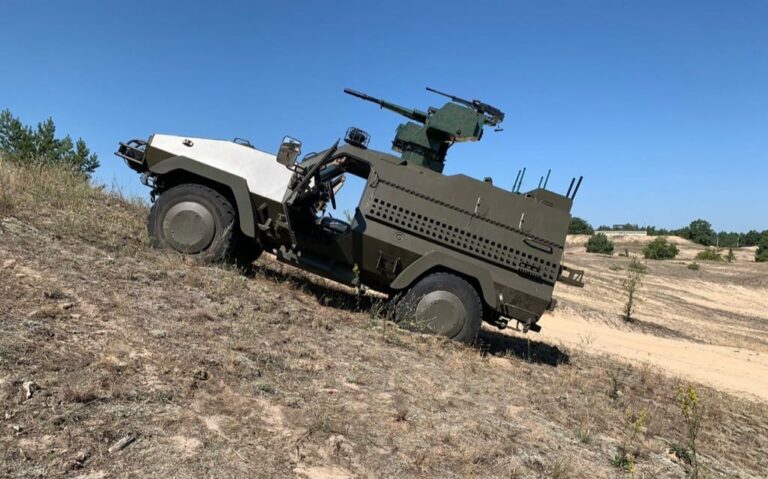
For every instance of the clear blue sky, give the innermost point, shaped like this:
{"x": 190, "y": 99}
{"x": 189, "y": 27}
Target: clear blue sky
{"x": 662, "y": 106}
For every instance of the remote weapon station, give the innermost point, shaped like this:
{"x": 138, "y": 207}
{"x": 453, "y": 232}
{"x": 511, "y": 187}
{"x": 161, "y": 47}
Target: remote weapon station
{"x": 427, "y": 143}
{"x": 450, "y": 251}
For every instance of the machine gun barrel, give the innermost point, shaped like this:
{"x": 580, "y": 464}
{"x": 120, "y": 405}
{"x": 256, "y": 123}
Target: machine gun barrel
{"x": 412, "y": 113}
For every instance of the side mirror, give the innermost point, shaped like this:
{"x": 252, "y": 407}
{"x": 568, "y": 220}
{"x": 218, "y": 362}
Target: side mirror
{"x": 290, "y": 149}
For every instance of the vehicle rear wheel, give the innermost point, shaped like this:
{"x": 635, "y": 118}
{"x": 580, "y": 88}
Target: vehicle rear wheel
{"x": 197, "y": 220}
{"x": 444, "y": 304}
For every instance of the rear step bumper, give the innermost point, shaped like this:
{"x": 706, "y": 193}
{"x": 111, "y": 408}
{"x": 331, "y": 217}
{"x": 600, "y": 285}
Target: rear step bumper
{"x": 134, "y": 154}
{"x": 572, "y": 276}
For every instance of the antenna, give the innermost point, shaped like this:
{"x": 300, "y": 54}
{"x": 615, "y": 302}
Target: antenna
{"x": 547, "y": 179}
{"x": 514, "y": 185}
{"x": 576, "y": 190}
{"x": 521, "y": 181}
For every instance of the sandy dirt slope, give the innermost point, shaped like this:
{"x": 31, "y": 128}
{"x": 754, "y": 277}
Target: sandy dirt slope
{"x": 710, "y": 325}
{"x": 117, "y": 361}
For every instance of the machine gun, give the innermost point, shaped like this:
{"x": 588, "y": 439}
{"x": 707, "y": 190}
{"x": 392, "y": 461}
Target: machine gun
{"x": 492, "y": 115}
{"x": 426, "y": 142}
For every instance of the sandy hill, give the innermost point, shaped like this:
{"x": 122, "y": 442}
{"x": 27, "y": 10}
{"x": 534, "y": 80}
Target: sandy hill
{"x": 119, "y": 361}
{"x": 688, "y": 249}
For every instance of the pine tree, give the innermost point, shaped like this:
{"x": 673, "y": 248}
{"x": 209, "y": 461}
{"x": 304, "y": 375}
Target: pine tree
{"x": 23, "y": 144}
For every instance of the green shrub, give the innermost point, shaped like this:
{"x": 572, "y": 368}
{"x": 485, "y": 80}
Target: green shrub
{"x": 701, "y": 232}
{"x": 580, "y": 226}
{"x": 761, "y": 256}
{"x": 599, "y": 243}
{"x": 660, "y": 248}
{"x": 731, "y": 256}
{"x": 694, "y": 266}
{"x": 709, "y": 254}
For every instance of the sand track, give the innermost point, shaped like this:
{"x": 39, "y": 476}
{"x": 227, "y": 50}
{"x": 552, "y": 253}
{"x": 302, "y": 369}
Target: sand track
{"x": 710, "y": 326}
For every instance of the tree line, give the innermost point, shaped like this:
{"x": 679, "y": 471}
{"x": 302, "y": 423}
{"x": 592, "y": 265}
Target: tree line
{"x": 699, "y": 231}
{"x": 38, "y": 145}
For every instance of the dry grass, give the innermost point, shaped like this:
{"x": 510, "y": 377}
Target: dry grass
{"x": 217, "y": 374}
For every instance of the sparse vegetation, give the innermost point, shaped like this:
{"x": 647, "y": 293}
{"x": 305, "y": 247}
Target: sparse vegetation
{"x": 709, "y": 254}
{"x": 637, "y": 266}
{"x": 6, "y": 200}
{"x": 208, "y": 369}
{"x": 615, "y": 381}
{"x": 694, "y": 266}
{"x": 599, "y": 243}
{"x": 691, "y": 410}
{"x": 731, "y": 256}
{"x": 627, "y": 450}
{"x": 660, "y": 248}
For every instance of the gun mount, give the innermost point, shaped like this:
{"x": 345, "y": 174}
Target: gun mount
{"x": 425, "y": 140}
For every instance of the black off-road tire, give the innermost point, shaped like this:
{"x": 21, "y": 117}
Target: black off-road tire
{"x": 205, "y": 222}
{"x": 442, "y": 303}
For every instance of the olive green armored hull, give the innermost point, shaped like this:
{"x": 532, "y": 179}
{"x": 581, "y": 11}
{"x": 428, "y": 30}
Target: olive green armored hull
{"x": 411, "y": 221}
{"x": 416, "y": 220}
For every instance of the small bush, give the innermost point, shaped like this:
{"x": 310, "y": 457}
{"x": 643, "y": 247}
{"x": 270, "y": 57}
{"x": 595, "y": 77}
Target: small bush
{"x": 660, "y": 248}
{"x": 634, "y": 278}
{"x": 599, "y": 243}
{"x": 730, "y": 257}
{"x": 694, "y": 266}
{"x": 709, "y": 254}
{"x": 637, "y": 266}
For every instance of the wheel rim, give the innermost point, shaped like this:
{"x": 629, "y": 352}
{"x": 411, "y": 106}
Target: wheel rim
{"x": 441, "y": 312}
{"x": 189, "y": 227}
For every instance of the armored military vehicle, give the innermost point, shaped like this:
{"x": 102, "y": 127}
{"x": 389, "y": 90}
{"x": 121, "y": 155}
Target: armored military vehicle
{"x": 450, "y": 250}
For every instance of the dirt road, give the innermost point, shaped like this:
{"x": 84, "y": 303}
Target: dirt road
{"x": 708, "y": 325}
{"x": 737, "y": 370}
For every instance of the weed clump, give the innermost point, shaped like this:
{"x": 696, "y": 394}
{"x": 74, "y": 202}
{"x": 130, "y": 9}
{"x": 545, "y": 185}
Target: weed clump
{"x": 627, "y": 451}
{"x": 694, "y": 266}
{"x": 690, "y": 408}
{"x": 710, "y": 254}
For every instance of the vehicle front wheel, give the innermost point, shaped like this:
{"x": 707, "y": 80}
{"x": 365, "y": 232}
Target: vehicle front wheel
{"x": 444, "y": 304}
{"x": 197, "y": 220}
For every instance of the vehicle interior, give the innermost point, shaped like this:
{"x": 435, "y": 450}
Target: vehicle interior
{"x": 315, "y": 209}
